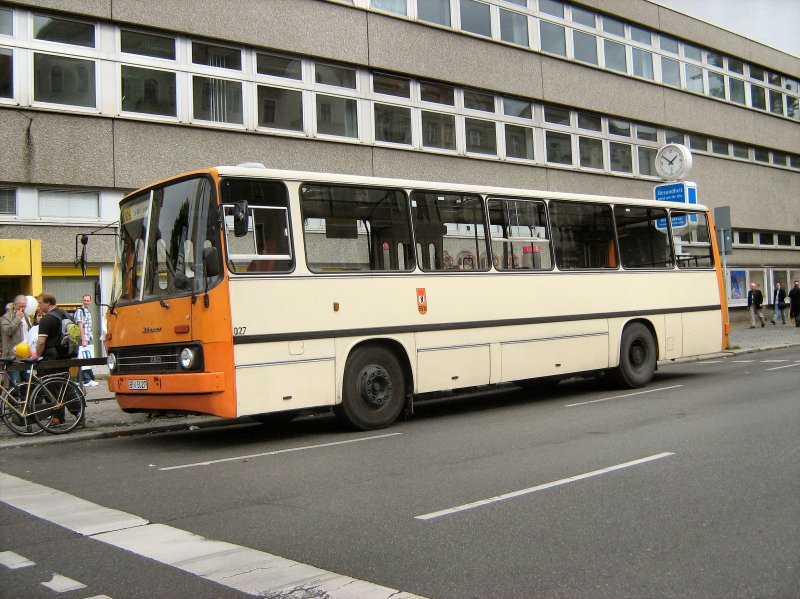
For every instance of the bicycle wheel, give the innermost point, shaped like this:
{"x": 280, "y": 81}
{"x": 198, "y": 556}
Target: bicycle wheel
{"x": 24, "y": 425}
{"x": 58, "y": 405}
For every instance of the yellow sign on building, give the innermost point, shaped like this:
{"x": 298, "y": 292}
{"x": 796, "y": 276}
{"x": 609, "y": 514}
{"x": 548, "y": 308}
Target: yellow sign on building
{"x": 22, "y": 260}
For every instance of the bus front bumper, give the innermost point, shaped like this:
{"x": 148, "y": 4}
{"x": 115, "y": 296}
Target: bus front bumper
{"x": 200, "y": 383}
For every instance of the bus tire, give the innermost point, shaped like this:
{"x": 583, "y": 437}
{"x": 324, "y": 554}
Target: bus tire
{"x": 374, "y": 389}
{"x": 637, "y": 357}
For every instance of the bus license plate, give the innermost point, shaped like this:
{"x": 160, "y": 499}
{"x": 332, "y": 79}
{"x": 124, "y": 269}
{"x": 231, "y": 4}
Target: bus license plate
{"x": 137, "y": 384}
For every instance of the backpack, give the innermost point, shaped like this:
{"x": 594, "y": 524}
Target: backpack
{"x": 70, "y": 341}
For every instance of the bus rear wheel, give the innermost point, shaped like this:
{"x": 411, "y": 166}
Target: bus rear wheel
{"x": 374, "y": 389}
{"x": 637, "y": 357}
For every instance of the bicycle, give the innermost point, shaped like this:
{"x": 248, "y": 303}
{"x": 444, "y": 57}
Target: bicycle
{"x": 52, "y": 402}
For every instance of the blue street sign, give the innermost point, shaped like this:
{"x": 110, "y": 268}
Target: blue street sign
{"x": 685, "y": 192}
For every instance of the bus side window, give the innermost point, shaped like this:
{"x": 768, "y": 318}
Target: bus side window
{"x": 583, "y": 235}
{"x": 520, "y": 239}
{"x": 643, "y": 237}
{"x": 451, "y": 225}
{"x": 691, "y": 238}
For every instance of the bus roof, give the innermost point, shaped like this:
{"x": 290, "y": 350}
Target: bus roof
{"x": 316, "y": 177}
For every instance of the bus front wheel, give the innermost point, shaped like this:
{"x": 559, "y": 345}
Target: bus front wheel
{"x": 373, "y": 391}
{"x": 637, "y": 357}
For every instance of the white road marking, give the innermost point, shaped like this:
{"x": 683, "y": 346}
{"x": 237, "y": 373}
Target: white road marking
{"x": 742, "y": 361}
{"x": 557, "y": 483}
{"x": 12, "y": 560}
{"x": 62, "y": 584}
{"x": 773, "y": 361}
{"x": 779, "y": 367}
{"x": 712, "y": 361}
{"x": 583, "y": 403}
{"x": 240, "y": 568}
{"x": 278, "y": 451}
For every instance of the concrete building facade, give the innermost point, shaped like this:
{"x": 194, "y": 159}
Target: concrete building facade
{"x": 98, "y": 98}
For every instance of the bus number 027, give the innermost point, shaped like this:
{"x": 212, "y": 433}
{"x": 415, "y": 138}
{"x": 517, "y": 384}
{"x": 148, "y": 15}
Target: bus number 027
{"x": 239, "y": 330}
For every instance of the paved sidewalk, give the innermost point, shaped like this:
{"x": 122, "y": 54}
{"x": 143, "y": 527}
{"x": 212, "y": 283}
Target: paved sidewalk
{"x": 105, "y": 419}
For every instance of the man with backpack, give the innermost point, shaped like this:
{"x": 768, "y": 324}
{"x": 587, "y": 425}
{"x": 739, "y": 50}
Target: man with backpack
{"x": 49, "y": 345}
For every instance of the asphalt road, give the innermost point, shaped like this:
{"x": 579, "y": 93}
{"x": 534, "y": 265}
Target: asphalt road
{"x": 688, "y": 488}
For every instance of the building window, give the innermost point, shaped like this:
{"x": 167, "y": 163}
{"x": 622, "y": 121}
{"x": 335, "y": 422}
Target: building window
{"x": 280, "y": 108}
{"x": 481, "y": 136}
{"x": 6, "y": 73}
{"x": 761, "y": 155}
{"x": 779, "y": 158}
{"x": 475, "y": 18}
{"x": 615, "y": 56}
{"x": 647, "y": 162}
{"x": 585, "y": 47}
{"x": 513, "y": 27}
{"x": 557, "y": 116}
{"x": 673, "y": 137}
{"x": 716, "y": 85}
{"x": 216, "y": 56}
{"x": 745, "y": 237}
{"x": 276, "y": 65}
{"x": 668, "y": 44}
{"x": 646, "y": 132}
{"x": 766, "y": 239}
{"x": 395, "y": 6}
{"x": 63, "y": 31}
{"x": 736, "y": 90}
{"x": 68, "y": 204}
{"x": 391, "y": 85}
{"x": 146, "y": 44}
{"x": 641, "y": 35}
{"x": 438, "y": 130}
{"x": 613, "y": 26}
{"x": 621, "y": 157}
{"x": 519, "y": 142}
{"x": 714, "y": 59}
{"x": 670, "y": 72}
{"x": 775, "y": 102}
{"x": 553, "y": 38}
{"x": 719, "y": 147}
{"x": 619, "y": 127}
{"x": 434, "y": 11}
{"x": 392, "y": 124}
{"x": 740, "y": 151}
{"x": 784, "y": 240}
{"x": 62, "y": 80}
{"x": 337, "y": 116}
{"x": 584, "y": 17}
{"x": 694, "y": 78}
{"x": 552, "y": 7}
{"x": 698, "y": 142}
{"x": 217, "y": 100}
{"x": 559, "y": 147}
{"x": 8, "y": 201}
{"x": 6, "y": 21}
{"x": 437, "y": 92}
{"x": 591, "y": 122}
{"x": 642, "y": 64}
{"x": 327, "y": 74}
{"x": 758, "y": 97}
{"x": 590, "y": 151}
{"x": 518, "y": 108}
{"x": 148, "y": 91}
{"x": 475, "y": 100}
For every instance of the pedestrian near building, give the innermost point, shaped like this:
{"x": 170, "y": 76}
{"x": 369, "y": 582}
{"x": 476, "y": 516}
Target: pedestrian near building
{"x": 794, "y": 303}
{"x": 778, "y": 304}
{"x": 755, "y": 301}
{"x": 14, "y": 327}
{"x": 83, "y": 318}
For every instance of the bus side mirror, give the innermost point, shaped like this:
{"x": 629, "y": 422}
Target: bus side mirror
{"x": 240, "y": 218}
{"x": 211, "y": 261}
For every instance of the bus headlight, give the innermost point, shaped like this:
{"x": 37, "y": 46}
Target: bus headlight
{"x": 111, "y": 361}
{"x": 188, "y": 358}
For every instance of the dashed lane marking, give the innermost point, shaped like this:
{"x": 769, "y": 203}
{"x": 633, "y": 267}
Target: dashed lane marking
{"x": 241, "y": 568}
{"x": 584, "y": 403}
{"x": 13, "y": 561}
{"x": 279, "y": 451}
{"x": 529, "y": 490}
{"x": 62, "y": 584}
{"x": 781, "y": 367}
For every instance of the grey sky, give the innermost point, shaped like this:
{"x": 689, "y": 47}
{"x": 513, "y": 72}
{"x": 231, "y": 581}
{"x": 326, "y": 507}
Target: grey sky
{"x": 775, "y": 23}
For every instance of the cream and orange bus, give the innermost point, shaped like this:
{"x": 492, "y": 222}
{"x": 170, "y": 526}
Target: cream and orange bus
{"x": 245, "y": 291}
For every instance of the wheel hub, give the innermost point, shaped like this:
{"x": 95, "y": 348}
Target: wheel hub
{"x": 376, "y": 386}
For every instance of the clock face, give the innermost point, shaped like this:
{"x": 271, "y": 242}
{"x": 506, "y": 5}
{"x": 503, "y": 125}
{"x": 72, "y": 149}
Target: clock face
{"x": 673, "y": 161}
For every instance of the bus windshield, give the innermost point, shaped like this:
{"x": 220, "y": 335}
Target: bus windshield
{"x": 162, "y": 234}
